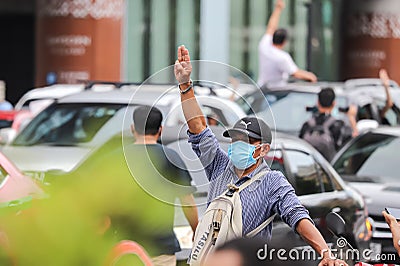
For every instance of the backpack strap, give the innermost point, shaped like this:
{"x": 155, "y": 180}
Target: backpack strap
{"x": 232, "y": 188}
{"x": 328, "y": 123}
{"x": 252, "y": 180}
{"x": 271, "y": 218}
{"x": 259, "y": 228}
{"x": 312, "y": 122}
{"x": 243, "y": 186}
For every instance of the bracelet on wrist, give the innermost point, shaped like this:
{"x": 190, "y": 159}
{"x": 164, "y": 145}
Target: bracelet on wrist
{"x": 187, "y": 89}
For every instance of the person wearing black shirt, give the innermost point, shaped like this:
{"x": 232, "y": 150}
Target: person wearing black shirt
{"x": 161, "y": 174}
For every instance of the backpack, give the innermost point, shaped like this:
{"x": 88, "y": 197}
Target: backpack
{"x": 320, "y": 137}
{"x": 221, "y": 222}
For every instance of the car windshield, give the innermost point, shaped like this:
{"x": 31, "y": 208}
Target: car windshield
{"x": 66, "y": 124}
{"x": 3, "y": 175}
{"x": 288, "y": 109}
{"x": 362, "y": 158}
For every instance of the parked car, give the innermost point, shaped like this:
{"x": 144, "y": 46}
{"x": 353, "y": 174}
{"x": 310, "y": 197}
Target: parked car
{"x": 369, "y": 164}
{"x": 369, "y": 95}
{"x": 43, "y": 93}
{"x": 76, "y": 125}
{"x": 286, "y": 108}
{"x": 317, "y": 184}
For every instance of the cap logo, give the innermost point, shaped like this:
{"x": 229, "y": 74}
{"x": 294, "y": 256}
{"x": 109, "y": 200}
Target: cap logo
{"x": 245, "y": 124}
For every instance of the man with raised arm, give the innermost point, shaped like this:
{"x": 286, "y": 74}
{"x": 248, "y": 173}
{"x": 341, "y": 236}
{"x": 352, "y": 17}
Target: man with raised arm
{"x": 276, "y": 65}
{"x": 251, "y": 138}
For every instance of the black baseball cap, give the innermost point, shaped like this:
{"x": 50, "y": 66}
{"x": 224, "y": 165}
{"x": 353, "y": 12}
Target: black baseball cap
{"x": 253, "y": 127}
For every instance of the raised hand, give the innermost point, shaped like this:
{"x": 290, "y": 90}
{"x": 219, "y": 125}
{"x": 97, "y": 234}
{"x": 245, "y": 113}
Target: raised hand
{"x": 394, "y": 228}
{"x": 183, "y": 67}
{"x": 280, "y": 4}
{"x": 383, "y": 75}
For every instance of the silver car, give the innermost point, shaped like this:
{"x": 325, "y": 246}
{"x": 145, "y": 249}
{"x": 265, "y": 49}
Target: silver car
{"x": 68, "y": 131}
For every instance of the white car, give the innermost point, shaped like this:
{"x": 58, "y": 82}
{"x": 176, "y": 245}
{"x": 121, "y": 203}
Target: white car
{"x": 49, "y": 92}
{"x": 66, "y": 132}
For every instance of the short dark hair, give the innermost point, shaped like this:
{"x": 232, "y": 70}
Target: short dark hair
{"x": 280, "y": 36}
{"x": 326, "y": 97}
{"x": 147, "y": 120}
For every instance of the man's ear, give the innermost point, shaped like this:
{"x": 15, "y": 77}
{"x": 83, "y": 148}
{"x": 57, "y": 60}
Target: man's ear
{"x": 160, "y": 130}
{"x": 265, "y": 148}
{"x": 133, "y": 129}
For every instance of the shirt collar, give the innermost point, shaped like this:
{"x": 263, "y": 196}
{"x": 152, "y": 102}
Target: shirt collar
{"x": 235, "y": 179}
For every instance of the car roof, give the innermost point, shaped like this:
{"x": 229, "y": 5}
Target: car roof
{"x": 366, "y": 82}
{"x": 388, "y": 130}
{"x": 308, "y": 87}
{"x": 145, "y": 94}
{"x": 50, "y": 92}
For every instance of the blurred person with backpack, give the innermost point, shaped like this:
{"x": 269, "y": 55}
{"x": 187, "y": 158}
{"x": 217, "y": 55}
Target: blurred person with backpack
{"x": 245, "y": 194}
{"x": 324, "y": 132}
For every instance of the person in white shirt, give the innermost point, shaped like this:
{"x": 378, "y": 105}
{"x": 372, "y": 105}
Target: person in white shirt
{"x": 275, "y": 64}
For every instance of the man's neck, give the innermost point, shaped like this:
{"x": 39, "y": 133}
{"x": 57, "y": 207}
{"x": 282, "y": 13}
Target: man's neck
{"x": 241, "y": 173}
{"x": 326, "y": 111}
{"x": 146, "y": 139}
{"x": 278, "y": 46}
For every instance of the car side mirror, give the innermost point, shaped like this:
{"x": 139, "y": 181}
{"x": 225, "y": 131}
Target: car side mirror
{"x": 335, "y": 223}
{"x": 366, "y": 124}
{"x": 7, "y": 135}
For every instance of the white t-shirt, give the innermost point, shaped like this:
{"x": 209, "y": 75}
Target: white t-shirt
{"x": 275, "y": 65}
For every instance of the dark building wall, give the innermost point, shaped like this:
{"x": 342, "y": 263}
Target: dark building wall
{"x": 17, "y": 31}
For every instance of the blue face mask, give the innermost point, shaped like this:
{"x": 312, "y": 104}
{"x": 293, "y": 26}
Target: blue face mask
{"x": 241, "y": 154}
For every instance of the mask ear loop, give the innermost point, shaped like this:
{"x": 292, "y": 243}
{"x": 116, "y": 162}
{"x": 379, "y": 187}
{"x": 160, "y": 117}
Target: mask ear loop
{"x": 256, "y": 147}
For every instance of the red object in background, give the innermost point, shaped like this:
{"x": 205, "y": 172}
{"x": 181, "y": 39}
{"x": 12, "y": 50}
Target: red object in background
{"x": 8, "y": 115}
{"x": 126, "y": 247}
{"x": 14, "y": 184}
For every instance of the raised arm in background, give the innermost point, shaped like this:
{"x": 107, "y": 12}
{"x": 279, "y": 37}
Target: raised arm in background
{"x": 383, "y": 75}
{"x": 273, "y": 21}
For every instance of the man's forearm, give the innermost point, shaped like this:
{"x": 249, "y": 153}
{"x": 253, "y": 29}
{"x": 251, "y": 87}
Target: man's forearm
{"x": 388, "y": 103}
{"x": 313, "y": 237}
{"x": 192, "y": 111}
{"x": 190, "y": 210}
{"x": 305, "y": 75}
{"x": 273, "y": 21}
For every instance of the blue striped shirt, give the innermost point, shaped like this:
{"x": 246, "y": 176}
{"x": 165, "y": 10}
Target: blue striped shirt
{"x": 271, "y": 194}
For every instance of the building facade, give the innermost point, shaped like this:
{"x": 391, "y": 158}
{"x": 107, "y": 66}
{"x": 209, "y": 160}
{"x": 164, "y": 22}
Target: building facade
{"x": 130, "y": 40}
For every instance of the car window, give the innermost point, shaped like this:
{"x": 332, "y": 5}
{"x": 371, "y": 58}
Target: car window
{"x": 366, "y": 156}
{"x": 391, "y": 117}
{"x": 274, "y": 159}
{"x": 67, "y": 124}
{"x": 288, "y": 109}
{"x": 3, "y": 175}
{"x": 304, "y": 170}
{"x": 224, "y": 115}
{"x": 325, "y": 179}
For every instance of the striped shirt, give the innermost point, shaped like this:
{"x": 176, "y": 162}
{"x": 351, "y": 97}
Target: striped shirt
{"x": 271, "y": 194}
